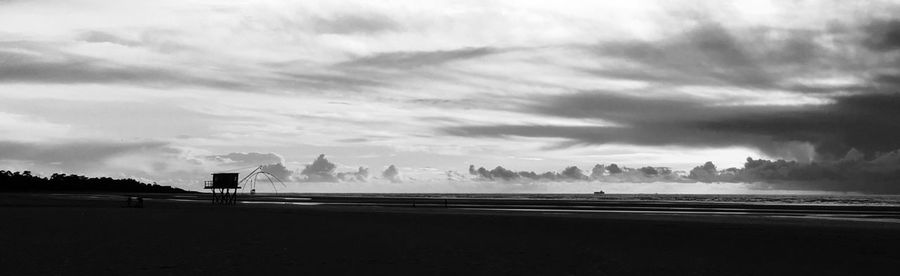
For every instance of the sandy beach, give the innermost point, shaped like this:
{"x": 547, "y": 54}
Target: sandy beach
{"x": 83, "y": 234}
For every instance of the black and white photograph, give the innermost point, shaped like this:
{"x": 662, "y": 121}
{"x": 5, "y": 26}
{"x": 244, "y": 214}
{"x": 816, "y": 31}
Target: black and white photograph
{"x": 449, "y": 137}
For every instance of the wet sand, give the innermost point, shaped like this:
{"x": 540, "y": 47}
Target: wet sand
{"x": 53, "y": 235}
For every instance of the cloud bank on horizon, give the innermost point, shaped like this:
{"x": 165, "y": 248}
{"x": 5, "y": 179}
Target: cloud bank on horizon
{"x": 169, "y": 91}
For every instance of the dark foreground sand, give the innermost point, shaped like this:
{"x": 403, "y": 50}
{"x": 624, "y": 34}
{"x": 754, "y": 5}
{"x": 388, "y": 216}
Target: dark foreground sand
{"x": 49, "y": 236}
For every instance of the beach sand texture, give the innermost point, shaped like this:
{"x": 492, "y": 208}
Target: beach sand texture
{"x": 44, "y": 235}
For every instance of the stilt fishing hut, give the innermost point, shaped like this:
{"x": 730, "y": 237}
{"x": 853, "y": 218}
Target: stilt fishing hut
{"x": 227, "y": 186}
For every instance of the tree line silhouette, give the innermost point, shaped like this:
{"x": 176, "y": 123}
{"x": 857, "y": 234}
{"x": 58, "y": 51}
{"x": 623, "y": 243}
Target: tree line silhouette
{"x": 26, "y": 182}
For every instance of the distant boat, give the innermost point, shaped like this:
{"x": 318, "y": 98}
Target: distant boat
{"x": 599, "y": 193}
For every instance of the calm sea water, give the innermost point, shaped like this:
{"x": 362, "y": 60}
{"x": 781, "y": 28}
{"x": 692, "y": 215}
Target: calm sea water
{"x": 760, "y": 199}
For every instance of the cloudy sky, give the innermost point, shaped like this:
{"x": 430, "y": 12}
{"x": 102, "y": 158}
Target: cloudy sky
{"x": 168, "y": 90}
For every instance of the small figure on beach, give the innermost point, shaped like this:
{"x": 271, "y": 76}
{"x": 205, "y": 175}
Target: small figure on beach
{"x": 131, "y": 202}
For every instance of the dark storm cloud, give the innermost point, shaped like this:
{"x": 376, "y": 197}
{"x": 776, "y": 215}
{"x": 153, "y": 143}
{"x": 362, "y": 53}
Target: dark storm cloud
{"x": 644, "y": 135}
{"x": 633, "y": 109}
{"x": 883, "y": 35}
{"x": 752, "y": 60}
{"x": 865, "y": 122}
{"x": 641, "y": 121}
{"x": 715, "y": 56}
{"x": 73, "y": 155}
{"x": 39, "y": 64}
{"x": 853, "y": 173}
{"x": 709, "y": 53}
{"x": 411, "y": 60}
{"x": 888, "y": 79}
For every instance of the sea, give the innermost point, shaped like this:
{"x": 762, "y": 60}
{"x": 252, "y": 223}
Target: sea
{"x": 805, "y": 199}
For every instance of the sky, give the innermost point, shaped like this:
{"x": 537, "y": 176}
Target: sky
{"x": 169, "y": 91}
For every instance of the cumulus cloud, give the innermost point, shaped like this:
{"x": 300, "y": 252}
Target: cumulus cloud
{"x": 705, "y": 173}
{"x": 575, "y": 174}
{"x": 597, "y": 171}
{"x": 321, "y": 170}
{"x": 392, "y": 174}
{"x": 360, "y": 175}
{"x": 278, "y": 170}
{"x": 853, "y": 173}
{"x": 613, "y": 169}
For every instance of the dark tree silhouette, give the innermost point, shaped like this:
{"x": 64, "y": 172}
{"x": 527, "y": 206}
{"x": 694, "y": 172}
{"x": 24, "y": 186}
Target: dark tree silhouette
{"x": 26, "y": 182}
